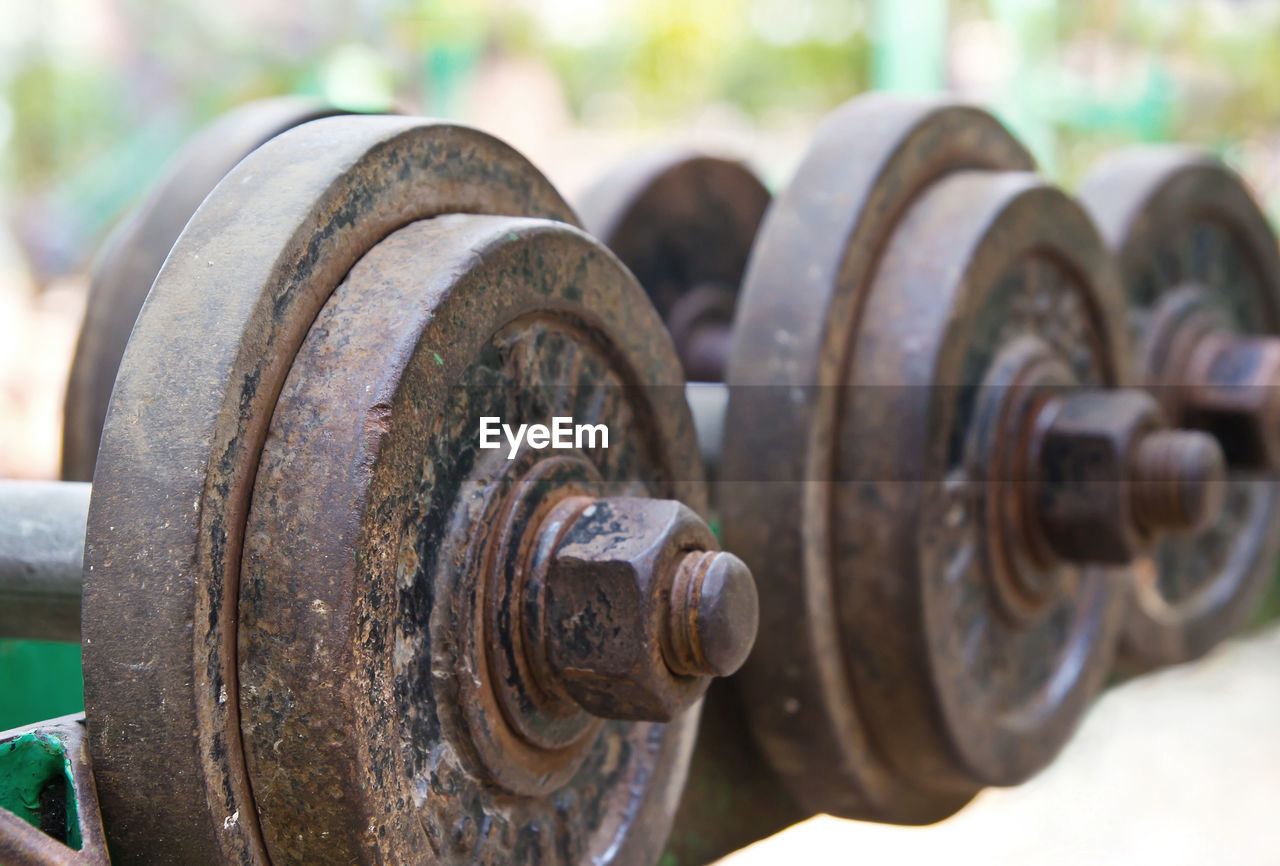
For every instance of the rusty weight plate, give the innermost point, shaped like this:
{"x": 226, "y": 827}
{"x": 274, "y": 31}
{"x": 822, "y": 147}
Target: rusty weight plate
{"x": 133, "y": 253}
{"x": 887, "y": 682}
{"x": 1177, "y": 219}
{"x": 683, "y": 223}
{"x": 179, "y": 470}
{"x": 372, "y": 703}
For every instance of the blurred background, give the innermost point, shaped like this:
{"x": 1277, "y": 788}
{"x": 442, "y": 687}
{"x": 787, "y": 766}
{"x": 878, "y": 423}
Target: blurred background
{"x": 95, "y": 96}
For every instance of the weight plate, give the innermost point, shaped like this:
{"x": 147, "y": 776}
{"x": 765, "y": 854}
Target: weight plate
{"x": 178, "y": 472}
{"x": 887, "y": 681}
{"x": 683, "y": 224}
{"x": 373, "y": 449}
{"x": 134, "y": 252}
{"x": 1176, "y": 219}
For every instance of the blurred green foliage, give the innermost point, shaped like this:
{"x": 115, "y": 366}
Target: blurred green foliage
{"x": 671, "y": 57}
{"x": 98, "y": 92}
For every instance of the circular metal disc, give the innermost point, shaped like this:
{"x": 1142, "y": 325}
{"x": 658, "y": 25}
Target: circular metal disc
{"x": 1176, "y": 218}
{"x": 183, "y": 436}
{"x": 134, "y": 252}
{"x": 360, "y": 654}
{"x": 957, "y": 693}
{"x": 684, "y": 225}
{"x": 841, "y": 737}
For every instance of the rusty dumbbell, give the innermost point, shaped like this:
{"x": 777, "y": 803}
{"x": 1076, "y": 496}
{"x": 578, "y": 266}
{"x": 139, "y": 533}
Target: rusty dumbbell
{"x": 926, "y": 452}
{"x": 354, "y": 633}
{"x": 1201, "y": 277}
{"x": 322, "y": 620}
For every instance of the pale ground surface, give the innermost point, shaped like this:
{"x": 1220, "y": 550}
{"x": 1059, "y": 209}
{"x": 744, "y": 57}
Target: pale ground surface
{"x": 1180, "y": 768}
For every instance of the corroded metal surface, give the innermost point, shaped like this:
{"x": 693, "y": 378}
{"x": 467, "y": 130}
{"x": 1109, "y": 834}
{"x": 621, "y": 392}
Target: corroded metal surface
{"x": 1232, "y": 390}
{"x": 713, "y": 614}
{"x": 635, "y": 592}
{"x": 70, "y": 827}
{"x": 683, "y": 224}
{"x": 958, "y": 695}
{"x": 134, "y": 252}
{"x": 1111, "y": 477}
{"x": 1193, "y": 247}
{"x": 375, "y": 722}
{"x": 887, "y": 683}
{"x": 190, "y": 412}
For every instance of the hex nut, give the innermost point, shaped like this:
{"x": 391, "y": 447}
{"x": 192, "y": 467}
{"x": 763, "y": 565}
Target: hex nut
{"x": 607, "y": 601}
{"x": 1083, "y": 496}
{"x": 1112, "y": 476}
{"x": 1232, "y": 393}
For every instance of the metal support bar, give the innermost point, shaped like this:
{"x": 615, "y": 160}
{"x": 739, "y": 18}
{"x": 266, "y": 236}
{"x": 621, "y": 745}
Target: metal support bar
{"x": 732, "y": 798}
{"x": 708, "y": 402}
{"x": 42, "y": 533}
{"x": 42, "y": 527}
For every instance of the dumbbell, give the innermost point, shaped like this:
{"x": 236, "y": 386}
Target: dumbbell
{"x": 133, "y": 253}
{"x": 321, "y": 623}
{"x": 1201, "y": 276}
{"x": 931, "y": 461}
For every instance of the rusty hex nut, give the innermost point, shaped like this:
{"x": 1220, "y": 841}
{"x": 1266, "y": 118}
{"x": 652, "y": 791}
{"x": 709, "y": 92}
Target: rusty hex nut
{"x": 609, "y": 608}
{"x": 1111, "y": 475}
{"x": 1233, "y": 392}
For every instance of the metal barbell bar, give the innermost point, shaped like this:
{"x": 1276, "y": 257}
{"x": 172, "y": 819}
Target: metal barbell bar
{"x": 42, "y": 525}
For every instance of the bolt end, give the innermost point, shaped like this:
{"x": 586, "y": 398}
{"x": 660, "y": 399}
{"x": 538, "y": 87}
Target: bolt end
{"x": 714, "y": 615}
{"x": 1179, "y": 480}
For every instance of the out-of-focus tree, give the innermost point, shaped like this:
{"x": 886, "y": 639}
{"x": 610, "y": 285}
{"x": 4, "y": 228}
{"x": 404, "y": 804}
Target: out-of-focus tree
{"x": 95, "y": 94}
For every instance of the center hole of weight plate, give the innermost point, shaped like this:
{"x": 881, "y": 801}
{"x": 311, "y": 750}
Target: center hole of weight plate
{"x": 529, "y": 736}
{"x": 1025, "y": 573}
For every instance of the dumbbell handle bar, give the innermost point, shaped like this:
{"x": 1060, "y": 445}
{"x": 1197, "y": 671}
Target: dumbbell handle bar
{"x": 42, "y": 527}
{"x": 42, "y": 532}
